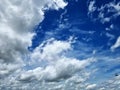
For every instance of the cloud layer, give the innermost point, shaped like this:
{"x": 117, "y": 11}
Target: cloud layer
{"x": 54, "y": 64}
{"x": 17, "y": 20}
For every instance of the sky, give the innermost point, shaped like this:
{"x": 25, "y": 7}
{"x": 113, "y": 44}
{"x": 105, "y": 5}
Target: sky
{"x": 59, "y": 45}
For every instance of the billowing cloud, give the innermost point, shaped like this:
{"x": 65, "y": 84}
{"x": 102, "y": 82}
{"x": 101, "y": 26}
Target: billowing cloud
{"x": 52, "y": 65}
{"x": 59, "y": 70}
{"x": 48, "y": 62}
{"x": 56, "y": 64}
{"x": 17, "y": 20}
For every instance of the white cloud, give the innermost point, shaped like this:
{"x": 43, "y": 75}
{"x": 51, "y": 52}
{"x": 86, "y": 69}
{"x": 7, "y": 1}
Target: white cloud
{"x": 63, "y": 68}
{"x": 50, "y": 50}
{"x": 48, "y": 65}
{"x": 57, "y": 64}
{"x": 105, "y": 12}
{"x": 91, "y": 87}
{"x": 117, "y": 44}
{"x": 17, "y": 20}
{"x": 111, "y": 7}
{"x": 116, "y": 6}
{"x": 58, "y": 68}
{"x": 60, "y": 4}
{"x": 91, "y": 6}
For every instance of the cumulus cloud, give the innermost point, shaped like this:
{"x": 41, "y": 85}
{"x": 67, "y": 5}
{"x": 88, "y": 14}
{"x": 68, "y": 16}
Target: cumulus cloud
{"x": 17, "y": 20}
{"x": 22, "y": 69}
{"x": 56, "y": 64}
{"x": 49, "y": 49}
{"x": 52, "y": 66}
{"x": 60, "y": 70}
{"x": 47, "y": 67}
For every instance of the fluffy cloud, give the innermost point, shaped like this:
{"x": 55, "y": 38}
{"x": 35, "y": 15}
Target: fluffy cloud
{"x": 59, "y": 70}
{"x": 56, "y": 64}
{"x": 48, "y": 67}
{"x": 49, "y": 62}
{"x": 17, "y": 20}
{"x": 52, "y": 65}
{"x": 52, "y": 49}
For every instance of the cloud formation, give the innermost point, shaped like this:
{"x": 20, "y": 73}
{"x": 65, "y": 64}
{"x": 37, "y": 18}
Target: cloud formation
{"x": 104, "y": 12}
{"x": 17, "y": 20}
{"x": 53, "y": 64}
{"x": 48, "y": 62}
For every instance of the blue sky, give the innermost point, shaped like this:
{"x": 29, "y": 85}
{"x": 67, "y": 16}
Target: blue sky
{"x": 75, "y": 16}
{"x": 60, "y": 45}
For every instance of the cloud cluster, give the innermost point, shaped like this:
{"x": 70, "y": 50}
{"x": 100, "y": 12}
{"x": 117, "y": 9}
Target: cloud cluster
{"x": 108, "y": 14}
{"x": 56, "y": 64}
{"x": 50, "y": 66}
{"x": 48, "y": 62}
{"x": 17, "y": 20}
{"x": 105, "y": 13}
